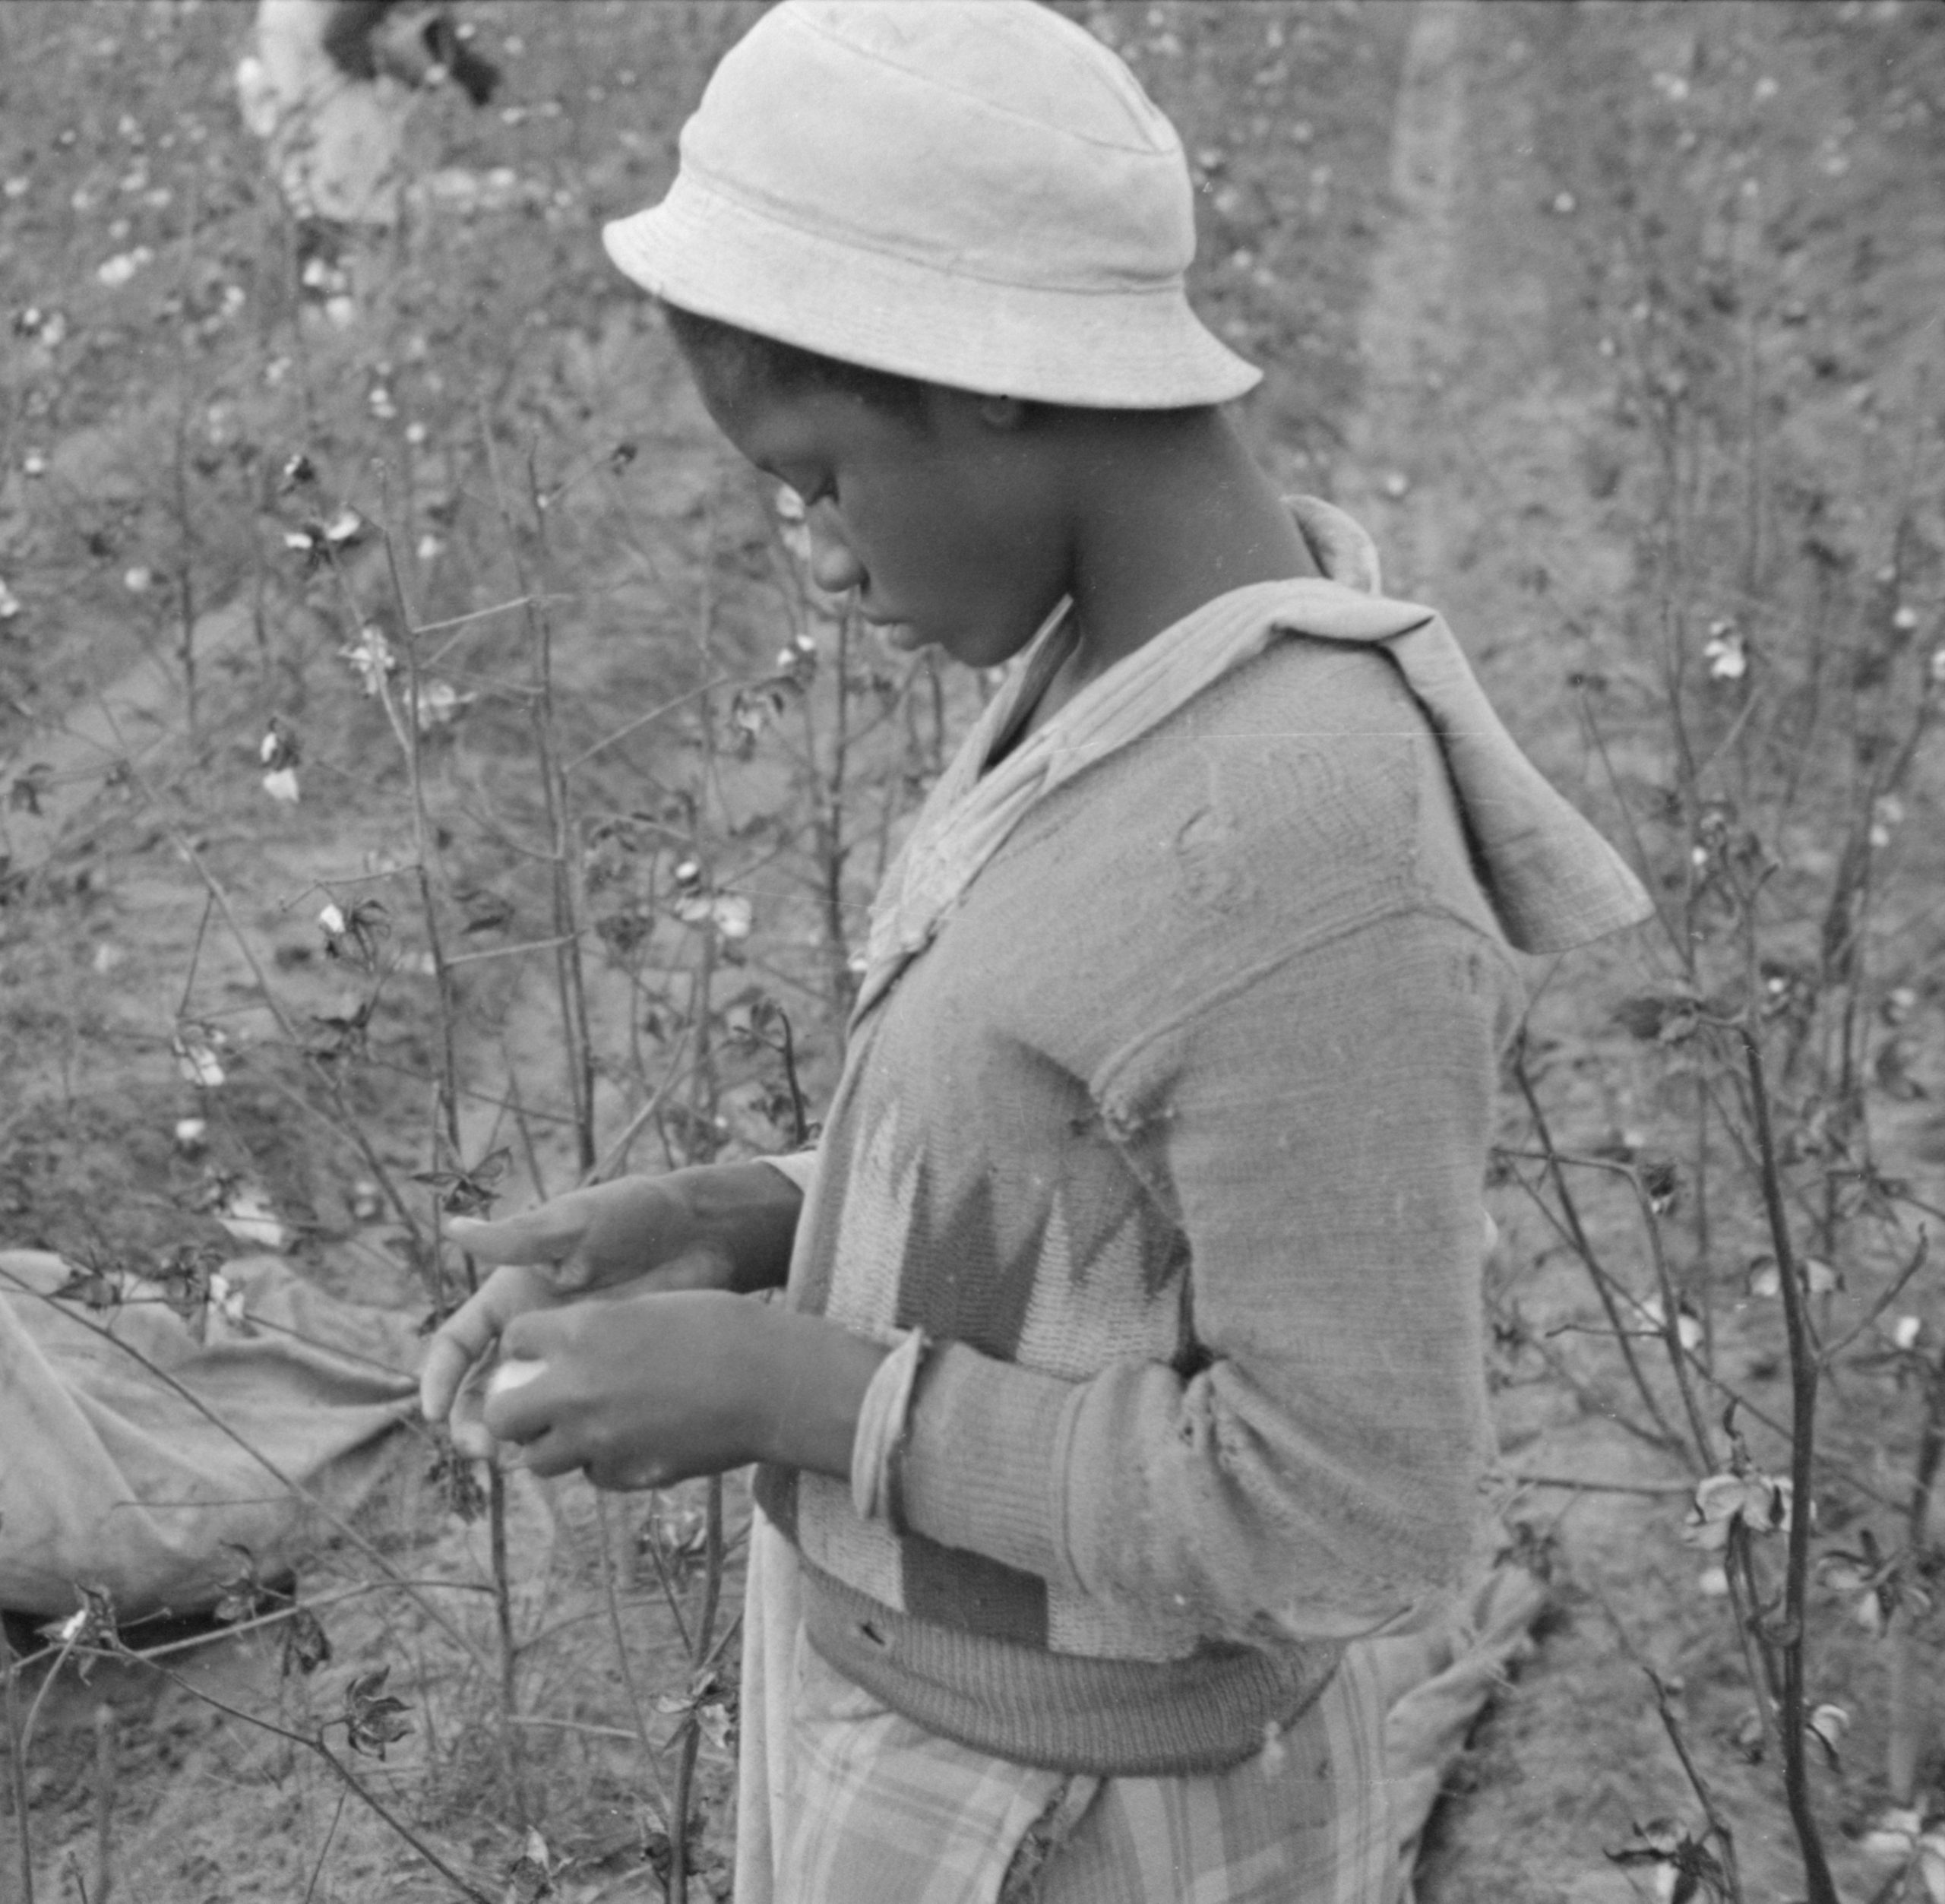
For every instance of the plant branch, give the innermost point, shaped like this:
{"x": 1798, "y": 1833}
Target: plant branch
{"x": 16, "y": 1765}
{"x": 1582, "y": 1248}
{"x": 312, "y": 1742}
{"x": 1803, "y": 1399}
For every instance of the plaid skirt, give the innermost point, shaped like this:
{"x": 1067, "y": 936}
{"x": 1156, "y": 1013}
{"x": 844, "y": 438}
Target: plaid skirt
{"x": 843, "y": 1801}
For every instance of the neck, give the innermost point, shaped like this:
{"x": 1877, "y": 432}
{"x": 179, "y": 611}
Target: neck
{"x": 1172, "y": 511}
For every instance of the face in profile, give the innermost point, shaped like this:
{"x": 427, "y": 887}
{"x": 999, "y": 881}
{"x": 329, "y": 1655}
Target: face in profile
{"x": 944, "y": 522}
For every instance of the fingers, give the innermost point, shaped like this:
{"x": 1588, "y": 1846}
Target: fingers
{"x": 593, "y": 1238}
{"x": 471, "y": 1436}
{"x": 520, "y": 1403}
{"x": 548, "y": 1234}
{"x": 550, "y": 1454}
{"x": 471, "y": 1330}
{"x": 534, "y": 1334}
{"x": 462, "y": 1339}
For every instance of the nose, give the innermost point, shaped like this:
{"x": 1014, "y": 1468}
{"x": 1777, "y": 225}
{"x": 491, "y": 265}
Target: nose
{"x": 834, "y": 567}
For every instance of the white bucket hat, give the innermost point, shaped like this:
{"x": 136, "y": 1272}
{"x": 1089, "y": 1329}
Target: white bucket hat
{"x": 971, "y": 192}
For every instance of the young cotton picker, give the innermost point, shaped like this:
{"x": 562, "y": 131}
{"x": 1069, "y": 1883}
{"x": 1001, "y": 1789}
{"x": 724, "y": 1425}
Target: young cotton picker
{"x": 1130, "y": 1366}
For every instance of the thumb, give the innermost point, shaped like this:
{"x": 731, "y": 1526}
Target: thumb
{"x": 461, "y": 1343}
{"x": 447, "y": 1363}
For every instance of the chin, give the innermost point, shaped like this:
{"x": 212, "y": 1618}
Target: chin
{"x": 901, "y": 638}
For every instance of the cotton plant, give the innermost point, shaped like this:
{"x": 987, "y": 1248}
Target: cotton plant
{"x": 1685, "y": 1869}
{"x": 199, "y": 1052}
{"x": 318, "y": 541}
{"x": 698, "y": 902}
{"x": 279, "y": 752}
{"x": 1740, "y": 1496}
{"x": 1726, "y": 652}
{"x": 1903, "y": 1842}
{"x": 375, "y": 662}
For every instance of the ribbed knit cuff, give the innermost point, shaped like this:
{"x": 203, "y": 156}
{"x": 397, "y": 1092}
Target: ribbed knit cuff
{"x": 878, "y": 1452}
{"x": 982, "y": 1467}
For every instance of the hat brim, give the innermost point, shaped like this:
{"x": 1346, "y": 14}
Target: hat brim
{"x": 1131, "y": 348}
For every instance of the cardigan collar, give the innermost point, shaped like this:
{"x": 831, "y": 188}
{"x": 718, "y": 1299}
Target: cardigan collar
{"x": 1554, "y": 881}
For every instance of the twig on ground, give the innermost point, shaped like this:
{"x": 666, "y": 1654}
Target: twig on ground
{"x": 1576, "y": 1484}
{"x": 105, "y": 1769}
{"x": 16, "y": 1765}
{"x": 323, "y": 1850}
{"x": 1719, "y": 1827}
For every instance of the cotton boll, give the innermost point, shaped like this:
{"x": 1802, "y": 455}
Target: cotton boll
{"x": 511, "y": 1375}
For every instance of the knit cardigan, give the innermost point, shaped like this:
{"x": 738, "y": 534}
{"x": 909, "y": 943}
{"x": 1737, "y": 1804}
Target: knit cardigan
{"x": 1171, "y": 1141}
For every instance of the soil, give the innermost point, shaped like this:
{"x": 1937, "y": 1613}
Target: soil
{"x": 1424, "y": 220}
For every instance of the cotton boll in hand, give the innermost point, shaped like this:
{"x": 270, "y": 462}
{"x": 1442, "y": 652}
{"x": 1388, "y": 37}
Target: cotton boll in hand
{"x": 510, "y": 1375}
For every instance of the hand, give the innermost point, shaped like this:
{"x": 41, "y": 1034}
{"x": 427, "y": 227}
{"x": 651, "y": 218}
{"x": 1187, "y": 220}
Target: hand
{"x": 463, "y": 1341}
{"x": 606, "y": 1234}
{"x": 645, "y": 1391}
{"x": 721, "y": 1227}
{"x": 641, "y": 1390}
{"x": 633, "y": 1229}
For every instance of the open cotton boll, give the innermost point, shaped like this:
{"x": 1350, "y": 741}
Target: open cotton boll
{"x": 510, "y": 1375}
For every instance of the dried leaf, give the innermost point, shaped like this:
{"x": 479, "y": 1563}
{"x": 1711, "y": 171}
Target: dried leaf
{"x": 242, "y": 1596}
{"x": 374, "y": 1719}
{"x": 345, "y": 1034}
{"x": 29, "y": 785}
{"x": 97, "y": 1285}
{"x": 485, "y": 911}
{"x": 355, "y": 936}
{"x": 91, "y": 1624}
{"x": 456, "y": 1479}
{"x": 530, "y": 1877}
{"x": 468, "y": 1192}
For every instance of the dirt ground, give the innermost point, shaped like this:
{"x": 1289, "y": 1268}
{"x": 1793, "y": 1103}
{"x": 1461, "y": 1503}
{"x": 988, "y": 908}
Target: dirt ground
{"x": 1423, "y": 220}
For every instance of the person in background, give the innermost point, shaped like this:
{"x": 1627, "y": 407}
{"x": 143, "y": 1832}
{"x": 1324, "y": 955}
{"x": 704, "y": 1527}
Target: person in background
{"x": 1127, "y": 1372}
{"x": 329, "y": 86}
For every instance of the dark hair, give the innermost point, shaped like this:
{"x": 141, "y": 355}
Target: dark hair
{"x": 349, "y": 43}
{"x": 737, "y": 354}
